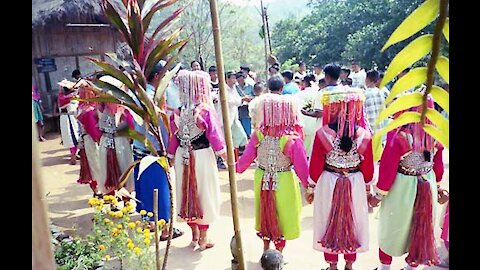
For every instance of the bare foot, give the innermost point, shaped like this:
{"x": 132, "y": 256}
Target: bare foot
{"x": 205, "y": 244}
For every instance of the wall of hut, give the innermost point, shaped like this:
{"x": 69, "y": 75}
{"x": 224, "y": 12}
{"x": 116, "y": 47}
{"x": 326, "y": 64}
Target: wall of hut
{"x": 69, "y": 46}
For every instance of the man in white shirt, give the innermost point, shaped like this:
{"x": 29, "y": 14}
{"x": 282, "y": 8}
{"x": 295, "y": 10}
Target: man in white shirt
{"x": 246, "y": 73}
{"x": 302, "y": 71}
{"x": 374, "y": 100}
{"x": 358, "y": 75}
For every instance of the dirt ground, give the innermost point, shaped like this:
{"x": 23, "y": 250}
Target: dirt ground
{"x": 67, "y": 207}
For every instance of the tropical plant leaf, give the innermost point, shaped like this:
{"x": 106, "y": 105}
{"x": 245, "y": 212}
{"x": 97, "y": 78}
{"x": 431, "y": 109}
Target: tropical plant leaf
{"x": 172, "y": 18}
{"x": 442, "y": 68}
{"x": 124, "y": 177}
{"x": 400, "y": 104}
{"x": 403, "y": 119}
{"x": 99, "y": 99}
{"x": 440, "y": 96}
{"x": 413, "y": 78}
{"x": 406, "y": 57}
{"x": 116, "y": 60}
{"x": 437, "y": 119}
{"x": 136, "y": 30}
{"x": 170, "y": 61}
{"x": 164, "y": 82}
{"x": 126, "y": 131}
{"x": 113, "y": 71}
{"x": 159, "y": 49}
{"x": 446, "y": 29}
{"x": 439, "y": 135}
{"x": 147, "y": 18}
{"x": 261, "y": 32}
{"x": 116, "y": 92}
{"x": 147, "y": 103}
{"x": 115, "y": 19}
{"x": 416, "y": 21}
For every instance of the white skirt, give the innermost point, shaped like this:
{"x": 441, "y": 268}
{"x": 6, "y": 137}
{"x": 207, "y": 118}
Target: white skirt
{"x": 323, "y": 202}
{"x": 124, "y": 153}
{"x": 68, "y": 123}
{"x": 92, "y": 152}
{"x": 207, "y": 183}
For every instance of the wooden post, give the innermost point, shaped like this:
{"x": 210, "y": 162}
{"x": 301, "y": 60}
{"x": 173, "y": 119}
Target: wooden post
{"x": 155, "y": 217}
{"x": 42, "y": 255}
{"x": 227, "y": 130}
{"x": 264, "y": 16}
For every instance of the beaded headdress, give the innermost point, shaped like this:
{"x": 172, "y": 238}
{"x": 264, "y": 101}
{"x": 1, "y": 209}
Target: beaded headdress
{"x": 194, "y": 87}
{"x": 279, "y": 115}
{"x": 344, "y": 105}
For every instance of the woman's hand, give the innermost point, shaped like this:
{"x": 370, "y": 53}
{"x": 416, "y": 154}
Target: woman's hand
{"x": 309, "y": 197}
{"x": 374, "y": 200}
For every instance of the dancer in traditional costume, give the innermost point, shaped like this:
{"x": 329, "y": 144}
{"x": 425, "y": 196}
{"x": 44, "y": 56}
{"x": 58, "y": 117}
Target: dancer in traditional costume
{"x": 407, "y": 187}
{"x": 37, "y": 112}
{"x": 277, "y": 145}
{"x": 341, "y": 167}
{"x": 68, "y": 121}
{"x": 89, "y": 138}
{"x": 115, "y": 153}
{"x": 196, "y": 139}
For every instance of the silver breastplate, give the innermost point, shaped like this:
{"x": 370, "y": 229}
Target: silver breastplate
{"x": 107, "y": 125}
{"x": 340, "y": 159}
{"x": 271, "y": 159}
{"x": 413, "y": 163}
{"x": 188, "y": 130}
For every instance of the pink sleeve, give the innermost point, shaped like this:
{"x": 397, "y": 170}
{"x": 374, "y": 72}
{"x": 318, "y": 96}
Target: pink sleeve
{"x": 367, "y": 164}
{"x": 62, "y": 100}
{"x": 317, "y": 160}
{"x": 295, "y": 150}
{"x": 438, "y": 163}
{"x": 173, "y": 143}
{"x": 389, "y": 163}
{"x": 248, "y": 155}
{"x": 208, "y": 120}
{"x": 89, "y": 121}
{"x": 127, "y": 117}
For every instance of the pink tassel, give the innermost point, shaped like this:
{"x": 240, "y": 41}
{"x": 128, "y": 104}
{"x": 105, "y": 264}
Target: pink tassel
{"x": 191, "y": 208}
{"x": 269, "y": 228}
{"x": 85, "y": 173}
{"x": 340, "y": 234}
{"x": 113, "y": 170}
{"x": 422, "y": 240}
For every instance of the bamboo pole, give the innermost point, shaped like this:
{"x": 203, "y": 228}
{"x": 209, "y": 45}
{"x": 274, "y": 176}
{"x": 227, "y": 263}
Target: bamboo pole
{"x": 42, "y": 255}
{"x": 227, "y": 130}
{"x": 265, "y": 39}
{"x": 155, "y": 217}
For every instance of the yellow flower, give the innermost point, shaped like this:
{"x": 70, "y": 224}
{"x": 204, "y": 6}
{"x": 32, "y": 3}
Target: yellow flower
{"x": 114, "y": 230}
{"x": 106, "y": 198}
{"x": 101, "y": 247}
{"x": 146, "y": 231}
{"x": 161, "y": 222}
{"x": 150, "y": 214}
{"x": 111, "y": 224}
{"x": 130, "y": 207}
{"x": 143, "y": 212}
{"x": 127, "y": 218}
{"x": 124, "y": 210}
{"x": 119, "y": 226}
{"x": 111, "y": 213}
{"x": 99, "y": 208}
{"x": 139, "y": 230}
{"x": 107, "y": 257}
{"x": 130, "y": 245}
{"x": 138, "y": 222}
{"x": 129, "y": 240}
{"x": 146, "y": 241}
{"x": 131, "y": 225}
{"x": 106, "y": 220}
{"x": 93, "y": 201}
{"x": 119, "y": 214}
{"x": 127, "y": 203}
{"x": 137, "y": 250}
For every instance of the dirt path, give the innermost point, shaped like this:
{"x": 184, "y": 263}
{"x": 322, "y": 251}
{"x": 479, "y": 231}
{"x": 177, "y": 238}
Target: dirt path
{"x": 67, "y": 206}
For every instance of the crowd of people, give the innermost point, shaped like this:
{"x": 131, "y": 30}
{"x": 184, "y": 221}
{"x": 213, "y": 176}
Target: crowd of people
{"x": 305, "y": 130}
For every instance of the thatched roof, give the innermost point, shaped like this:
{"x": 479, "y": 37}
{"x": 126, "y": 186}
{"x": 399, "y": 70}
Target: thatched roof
{"x": 68, "y": 11}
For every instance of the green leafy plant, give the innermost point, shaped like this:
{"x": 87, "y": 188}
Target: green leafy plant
{"x": 416, "y": 50}
{"x": 132, "y": 18}
{"x": 77, "y": 254}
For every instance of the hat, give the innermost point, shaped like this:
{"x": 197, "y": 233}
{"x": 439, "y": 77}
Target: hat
{"x": 66, "y": 83}
{"x": 245, "y": 67}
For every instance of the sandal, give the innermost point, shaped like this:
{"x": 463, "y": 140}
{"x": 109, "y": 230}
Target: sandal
{"x": 206, "y": 245}
{"x": 176, "y": 233}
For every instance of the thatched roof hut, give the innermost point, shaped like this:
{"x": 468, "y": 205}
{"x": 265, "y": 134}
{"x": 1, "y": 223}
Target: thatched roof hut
{"x": 68, "y": 31}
